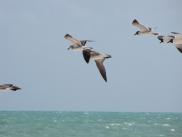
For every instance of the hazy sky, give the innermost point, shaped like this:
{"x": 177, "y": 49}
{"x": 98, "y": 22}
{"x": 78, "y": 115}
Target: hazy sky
{"x": 143, "y": 75}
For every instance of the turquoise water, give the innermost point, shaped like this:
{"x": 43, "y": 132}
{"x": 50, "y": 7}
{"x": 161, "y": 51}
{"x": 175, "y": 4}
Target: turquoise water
{"x": 89, "y": 124}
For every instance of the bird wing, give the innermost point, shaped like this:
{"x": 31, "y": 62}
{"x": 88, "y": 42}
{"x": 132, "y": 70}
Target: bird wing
{"x": 2, "y": 87}
{"x": 86, "y": 55}
{"x": 7, "y": 85}
{"x": 179, "y": 47}
{"x": 102, "y": 70}
{"x": 73, "y": 40}
{"x": 14, "y": 88}
{"x": 139, "y": 26}
{"x": 177, "y": 35}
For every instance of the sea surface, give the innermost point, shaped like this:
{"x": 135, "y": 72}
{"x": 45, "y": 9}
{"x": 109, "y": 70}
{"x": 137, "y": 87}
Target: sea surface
{"x": 89, "y": 124}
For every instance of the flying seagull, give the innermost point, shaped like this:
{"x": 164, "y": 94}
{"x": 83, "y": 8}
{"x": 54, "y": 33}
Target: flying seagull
{"x": 175, "y": 38}
{"x": 142, "y": 29}
{"x": 77, "y": 45}
{"x": 9, "y": 87}
{"x": 98, "y": 58}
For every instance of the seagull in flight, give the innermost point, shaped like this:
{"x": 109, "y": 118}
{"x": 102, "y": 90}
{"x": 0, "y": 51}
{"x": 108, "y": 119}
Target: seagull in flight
{"x": 175, "y": 38}
{"x": 9, "y": 87}
{"x": 77, "y": 45}
{"x": 143, "y": 30}
{"x": 98, "y": 58}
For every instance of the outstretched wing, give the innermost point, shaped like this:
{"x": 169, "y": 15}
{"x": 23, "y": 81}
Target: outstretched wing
{"x": 176, "y": 33}
{"x": 139, "y": 26}
{"x": 14, "y": 88}
{"x": 86, "y": 55}
{"x": 6, "y": 85}
{"x": 102, "y": 70}
{"x": 73, "y": 40}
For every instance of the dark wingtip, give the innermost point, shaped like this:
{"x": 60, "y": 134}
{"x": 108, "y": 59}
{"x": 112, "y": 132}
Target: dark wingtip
{"x": 15, "y": 88}
{"x": 67, "y": 35}
{"x": 87, "y": 61}
{"x": 180, "y": 50}
{"x": 135, "y": 21}
{"x": 86, "y": 55}
{"x": 109, "y": 56}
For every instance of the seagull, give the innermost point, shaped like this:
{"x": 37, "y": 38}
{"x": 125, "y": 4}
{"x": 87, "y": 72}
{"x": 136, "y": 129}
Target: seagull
{"x": 9, "y": 87}
{"x": 142, "y": 29}
{"x": 98, "y": 58}
{"x": 77, "y": 45}
{"x": 175, "y": 38}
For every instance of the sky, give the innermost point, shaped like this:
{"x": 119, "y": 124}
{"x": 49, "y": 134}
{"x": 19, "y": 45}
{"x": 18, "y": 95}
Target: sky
{"x": 143, "y": 75}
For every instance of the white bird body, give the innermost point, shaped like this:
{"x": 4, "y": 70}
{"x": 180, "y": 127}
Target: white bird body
{"x": 143, "y": 30}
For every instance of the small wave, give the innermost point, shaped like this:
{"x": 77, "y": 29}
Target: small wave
{"x": 107, "y": 127}
{"x": 156, "y": 124}
{"x": 168, "y": 118}
{"x": 129, "y": 123}
{"x": 166, "y": 125}
{"x": 173, "y": 130}
{"x": 85, "y": 113}
{"x": 124, "y": 128}
{"x": 161, "y": 135}
{"x": 99, "y": 120}
{"x": 114, "y": 124}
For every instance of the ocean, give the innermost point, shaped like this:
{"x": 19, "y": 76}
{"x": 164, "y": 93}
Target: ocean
{"x": 89, "y": 124}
